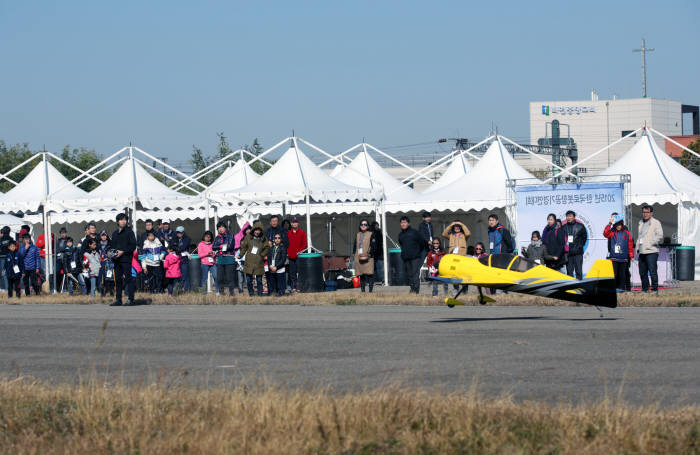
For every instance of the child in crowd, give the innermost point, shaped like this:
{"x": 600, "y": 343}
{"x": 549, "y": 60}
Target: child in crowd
{"x": 29, "y": 254}
{"x": 153, "y": 254}
{"x": 206, "y": 257}
{"x": 537, "y": 250}
{"x": 73, "y": 267}
{"x": 433, "y": 262}
{"x": 480, "y": 250}
{"x": 14, "y": 269}
{"x": 93, "y": 265}
{"x": 276, "y": 259}
{"x": 106, "y": 279}
{"x": 171, "y": 264}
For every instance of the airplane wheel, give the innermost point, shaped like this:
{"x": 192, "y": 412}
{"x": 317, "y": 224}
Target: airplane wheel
{"x": 450, "y": 306}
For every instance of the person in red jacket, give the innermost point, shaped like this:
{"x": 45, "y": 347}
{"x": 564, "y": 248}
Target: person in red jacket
{"x": 296, "y": 243}
{"x": 433, "y": 261}
{"x": 41, "y": 244}
{"x": 621, "y": 249}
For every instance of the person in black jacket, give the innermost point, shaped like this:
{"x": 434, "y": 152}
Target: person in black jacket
{"x": 427, "y": 232}
{"x": 553, "y": 239}
{"x": 575, "y": 238}
{"x": 5, "y": 240}
{"x": 124, "y": 242}
{"x": 276, "y": 257}
{"x": 379, "y": 254}
{"x": 412, "y": 246}
{"x": 183, "y": 242}
{"x": 14, "y": 269}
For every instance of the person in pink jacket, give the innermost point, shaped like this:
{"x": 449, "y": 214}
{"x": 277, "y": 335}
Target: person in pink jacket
{"x": 206, "y": 256}
{"x": 171, "y": 264}
{"x": 135, "y": 264}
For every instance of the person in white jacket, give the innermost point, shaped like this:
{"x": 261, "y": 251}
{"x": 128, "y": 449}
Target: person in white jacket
{"x": 649, "y": 235}
{"x": 153, "y": 254}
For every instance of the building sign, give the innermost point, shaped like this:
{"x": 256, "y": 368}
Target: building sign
{"x": 566, "y": 110}
{"x": 592, "y": 202}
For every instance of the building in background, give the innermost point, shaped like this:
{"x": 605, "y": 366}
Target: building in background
{"x": 595, "y": 123}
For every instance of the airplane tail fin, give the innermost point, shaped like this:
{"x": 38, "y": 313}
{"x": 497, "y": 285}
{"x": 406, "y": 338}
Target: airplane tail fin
{"x": 602, "y": 268}
{"x": 602, "y": 278}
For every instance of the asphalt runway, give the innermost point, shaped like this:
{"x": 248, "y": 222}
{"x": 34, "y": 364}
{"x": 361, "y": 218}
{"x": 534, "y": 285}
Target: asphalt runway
{"x": 548, "y": 353}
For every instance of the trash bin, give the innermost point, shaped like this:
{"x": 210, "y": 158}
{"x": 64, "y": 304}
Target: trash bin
{"x": 397, "y": 276}
{"x": 195, "y": 270}
{"x": 685, "y": 263}
{"x": 310, "y": 267}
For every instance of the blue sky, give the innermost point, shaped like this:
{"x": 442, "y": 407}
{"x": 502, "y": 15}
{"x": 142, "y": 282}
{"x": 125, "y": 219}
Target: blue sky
{"x": 167, "y": 75}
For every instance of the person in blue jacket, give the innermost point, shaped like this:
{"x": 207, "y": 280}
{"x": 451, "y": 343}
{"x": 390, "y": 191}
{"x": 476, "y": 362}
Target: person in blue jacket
{"x": 29, "y": 254}
{"x": 500, "y": 240}
{"x": 14, "y": 269}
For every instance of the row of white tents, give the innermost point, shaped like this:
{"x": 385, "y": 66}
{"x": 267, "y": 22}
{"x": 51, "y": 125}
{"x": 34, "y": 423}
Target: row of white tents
{"x": 295, "y": 185}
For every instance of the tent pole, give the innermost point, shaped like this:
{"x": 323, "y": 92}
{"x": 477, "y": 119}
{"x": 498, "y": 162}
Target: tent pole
{"x": 384, "y": 248}
{"x": 206, "y": 217}
{"x": 133, "y": 221}
{"x": 308, "y": 221}
{"x": 216, "y": 217}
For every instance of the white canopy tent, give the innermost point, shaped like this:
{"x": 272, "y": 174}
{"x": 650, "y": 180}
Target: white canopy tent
{"x": 459, "y": 167}
{"x": 486, "y": 184}
{"x": 42, "y": 187}
{"x": 656, "y": 178}
{"x": 13, "y": 222}
{"x": 294, "y": 178}
{"x": 130, "y": 184}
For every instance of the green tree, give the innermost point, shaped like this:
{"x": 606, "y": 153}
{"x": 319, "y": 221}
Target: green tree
{"x": 689, "y": 160}
{"x": 256, "y": 149}
{"x": 83, "y": 159}
{"x": 200, "y": 161}
{"x": 11, "y": 156}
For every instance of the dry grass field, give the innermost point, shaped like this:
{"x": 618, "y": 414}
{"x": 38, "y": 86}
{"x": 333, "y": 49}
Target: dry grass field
{"x": 164, "y": 418}
{"x": 682, "y": 297}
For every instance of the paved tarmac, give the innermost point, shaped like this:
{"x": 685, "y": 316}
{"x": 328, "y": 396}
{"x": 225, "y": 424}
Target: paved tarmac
{"x": 550, "y": 353}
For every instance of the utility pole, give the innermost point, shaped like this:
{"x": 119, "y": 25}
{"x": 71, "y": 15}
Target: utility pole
{"x": 644, "y": 51}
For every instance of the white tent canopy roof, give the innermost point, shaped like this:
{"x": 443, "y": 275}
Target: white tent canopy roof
{"x": 41, "y": 182}
{"x": 458, "y": 168}
{"x": 656, "y": 177}
{"x": 13, "y": 222}
{"x": 289, "y": 178}
{"x": 365, "y": 172}
{"x": 233, "y": 178}
{"x": 131, "y": 182}
{"x": 484, "y": 187}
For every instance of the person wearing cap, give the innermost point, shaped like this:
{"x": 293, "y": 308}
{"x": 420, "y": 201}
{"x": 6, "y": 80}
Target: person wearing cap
{"x": 183, "y": 247}
{"x": 621, "y": 249}
{"x": 426, "y": 230}
{"x": 5, "y": 240}
{"x": 296, "y": 244}
{"x": 165, "y": 234}
{"x": 223, "y": 249}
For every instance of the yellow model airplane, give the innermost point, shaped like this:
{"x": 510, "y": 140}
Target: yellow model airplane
{"x": 514, "y": 273}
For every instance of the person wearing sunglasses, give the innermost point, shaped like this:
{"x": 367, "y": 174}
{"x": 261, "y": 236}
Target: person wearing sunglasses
{"x": 480, "y": 250}
{"x": 276, "y": 258}
{"x": 433, "y": 262}
{"x": 364, "y": 251}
